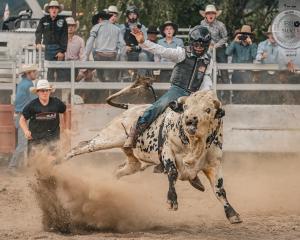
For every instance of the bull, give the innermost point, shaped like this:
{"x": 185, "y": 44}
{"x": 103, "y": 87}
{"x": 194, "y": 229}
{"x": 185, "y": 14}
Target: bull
{"x": 186, "y": 139}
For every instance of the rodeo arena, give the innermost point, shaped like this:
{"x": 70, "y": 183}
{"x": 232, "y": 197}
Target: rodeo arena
{"x": 148, "y": 132}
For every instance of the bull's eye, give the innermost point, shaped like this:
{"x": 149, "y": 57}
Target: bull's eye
{"x": 184, "y": 107}
{"x": 207, "y": 110}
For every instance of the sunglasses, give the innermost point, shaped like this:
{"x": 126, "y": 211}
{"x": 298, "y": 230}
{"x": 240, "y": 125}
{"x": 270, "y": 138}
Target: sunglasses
{"x": 44, "y": 90}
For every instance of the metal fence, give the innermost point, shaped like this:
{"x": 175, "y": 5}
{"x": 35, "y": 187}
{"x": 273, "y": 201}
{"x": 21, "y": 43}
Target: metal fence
{"x": 33, "y": 56}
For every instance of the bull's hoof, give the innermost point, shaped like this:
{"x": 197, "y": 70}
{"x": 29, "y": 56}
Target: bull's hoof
{"x": 172, "y": 205}
{"x": 159, "y": 168}
{"x": 235, "y": 219}
{"x": 196, "y": 183}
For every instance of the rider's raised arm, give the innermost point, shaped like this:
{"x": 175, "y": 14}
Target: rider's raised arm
{"x": 174, "y": 54}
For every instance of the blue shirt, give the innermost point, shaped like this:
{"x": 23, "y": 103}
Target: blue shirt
{"x": 241, "y": 53}
{"x": 271, "y": 50}
{"x": 176, "y": 42}
{"x": 23, "y": 96}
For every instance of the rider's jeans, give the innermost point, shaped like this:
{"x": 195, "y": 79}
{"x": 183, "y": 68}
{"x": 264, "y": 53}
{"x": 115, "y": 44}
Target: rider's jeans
{"x": 152, "y": 112}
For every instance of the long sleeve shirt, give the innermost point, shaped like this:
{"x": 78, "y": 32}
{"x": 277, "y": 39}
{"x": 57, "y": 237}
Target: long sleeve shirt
{"x": 218, "y": 32}
{"x": 23, "y": 95}
{"x": 52, "y": 32}
{"x": 177, "y": 55}
{"x": 176, "y": 42}
{"x": 75, "y": 50}
{"x": 107, "y": 38}
{"x": 241, "y": 53}
{"x": 271, "y": 49}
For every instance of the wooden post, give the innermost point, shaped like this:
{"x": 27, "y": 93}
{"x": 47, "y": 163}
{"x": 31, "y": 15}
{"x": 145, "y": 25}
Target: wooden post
{"x": 74, "y": 7}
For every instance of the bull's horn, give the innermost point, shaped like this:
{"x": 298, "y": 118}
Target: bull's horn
{"x": 182, "y": 100}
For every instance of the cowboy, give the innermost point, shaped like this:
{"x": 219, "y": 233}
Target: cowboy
{"x": 113, "y": 10}
{"x": 191, "y": 73}
{"x": 132, "y": 20}
{"x": 53, "y": 30}
{"x": 23, "y": 97}
{"x": 168, "y": 30}
{"x": 43, "y": 116}
{"x": 243, "y": 50}
{"x": 107, "y": 41}
{"x": 219, "y": 38}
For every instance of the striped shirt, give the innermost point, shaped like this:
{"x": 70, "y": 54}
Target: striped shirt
{"x": 107, "y": 38}
{"x": 218, "y": 32}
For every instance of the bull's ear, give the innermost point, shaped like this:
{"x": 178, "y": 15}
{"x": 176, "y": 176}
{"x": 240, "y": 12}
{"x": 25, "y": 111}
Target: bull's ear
{"x": 176, "y": 106}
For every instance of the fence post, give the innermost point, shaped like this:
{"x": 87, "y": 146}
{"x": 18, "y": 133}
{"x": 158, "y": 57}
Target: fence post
{"x": 14, "y": 82}
{"x": 215, "y": 70}
{"x": 72, "y": 82}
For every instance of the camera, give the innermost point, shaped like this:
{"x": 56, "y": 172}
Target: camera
{"x": 243, "y": 37}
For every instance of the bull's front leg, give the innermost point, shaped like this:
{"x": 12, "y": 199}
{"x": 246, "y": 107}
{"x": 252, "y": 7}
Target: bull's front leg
{"x": 172, "y": 177}
{"x": 215, "y": 176}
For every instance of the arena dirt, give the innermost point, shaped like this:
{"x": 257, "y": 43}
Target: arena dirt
{"x": 83, "y": 200}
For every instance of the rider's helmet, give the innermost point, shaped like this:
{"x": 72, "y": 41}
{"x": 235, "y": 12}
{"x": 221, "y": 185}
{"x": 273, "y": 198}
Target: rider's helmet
{"x": 199, "y": 36}
{"x": 132, "y": 9}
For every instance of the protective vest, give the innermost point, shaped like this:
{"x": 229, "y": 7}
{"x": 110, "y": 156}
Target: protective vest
{"x": 189, "y": 73}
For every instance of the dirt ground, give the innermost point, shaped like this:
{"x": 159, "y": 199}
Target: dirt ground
{"x": 263, "y": 189}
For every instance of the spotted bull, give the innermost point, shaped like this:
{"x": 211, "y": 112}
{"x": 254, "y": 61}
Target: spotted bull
{"x": 186, "y": 139}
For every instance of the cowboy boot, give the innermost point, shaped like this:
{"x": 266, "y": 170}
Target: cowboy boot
{"x": 134, "y": 133}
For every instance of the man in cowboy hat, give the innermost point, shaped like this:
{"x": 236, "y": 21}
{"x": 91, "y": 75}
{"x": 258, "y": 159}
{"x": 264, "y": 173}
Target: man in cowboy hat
{"x": 219, "y": 38}
{"x": 243, "y": 50}
{"x": 23, "y": 97}
{"x": 113, "y": 10}
{"x": 53, "y": 30}
{"x": 43, "y": 116}
{"x": 106, "y": 41}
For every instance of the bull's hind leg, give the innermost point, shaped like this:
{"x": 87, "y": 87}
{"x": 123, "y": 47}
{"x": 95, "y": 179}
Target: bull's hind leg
{"x": 131, "y": 165}
{"x": 214, "y": 174}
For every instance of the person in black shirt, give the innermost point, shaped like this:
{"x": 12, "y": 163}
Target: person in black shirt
{"x": 53, "y": 29}
{"x": 43, "y": 115}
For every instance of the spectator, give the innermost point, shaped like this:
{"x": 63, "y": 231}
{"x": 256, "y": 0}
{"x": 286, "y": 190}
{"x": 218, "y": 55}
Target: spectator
{"x": 219, "y": 36}
{"x": 43, "y": 116}
{"x": 108, "y": 42}
{"x": 53, "y": 30}
{"x": 23, "y": 97}
{"x": 168, "y": 30}
{"x": 243, "y": 50}
{"x": 75, "y": 49}
{"x": 115, "y": 14}
{"x": 132, "y": 47}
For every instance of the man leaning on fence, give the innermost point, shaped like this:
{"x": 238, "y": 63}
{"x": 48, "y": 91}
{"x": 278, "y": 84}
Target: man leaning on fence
{"x": 23, "y": 97}
{"x": 53, "y": 30}
{"x": 108, "y": 43}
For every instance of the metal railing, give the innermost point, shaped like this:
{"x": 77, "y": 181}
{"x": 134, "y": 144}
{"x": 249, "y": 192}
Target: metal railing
{"x": 73, "y": 65}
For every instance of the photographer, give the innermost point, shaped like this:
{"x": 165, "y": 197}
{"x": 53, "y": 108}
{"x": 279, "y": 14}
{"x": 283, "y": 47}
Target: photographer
{"x": 242, "y": 50}
{"x": 132, "y": 47}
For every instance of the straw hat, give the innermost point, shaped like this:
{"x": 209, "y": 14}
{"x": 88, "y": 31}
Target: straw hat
{"x": 53, "y": 4}
{"x": 113, "y": 9}
{"x": 28, "y": 68}
{"x": 269, "y": 30}
{"x": 210, "y": 8}
{"x": 246, "y": 29}
{"x": 42, "y": 84}
{"x": 71, "y": 21}
{"x": 168, "y": 23}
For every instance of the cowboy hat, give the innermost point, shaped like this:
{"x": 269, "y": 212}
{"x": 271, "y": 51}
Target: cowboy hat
{"x": 113, "y": 9}
{"x": 269, "y": 31}
{"x": 28, "y": 68}
{"x": 71, "y": 21}
{"x": 210, "y": 8}
{"x": 152, "y": 29}
{"x": 42, "y": 84}
{"x": 104, "y": 14}
{"x": 53, "y": 4}
{"x": 246, "y": 29}
{"x": 168, "y": 23}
